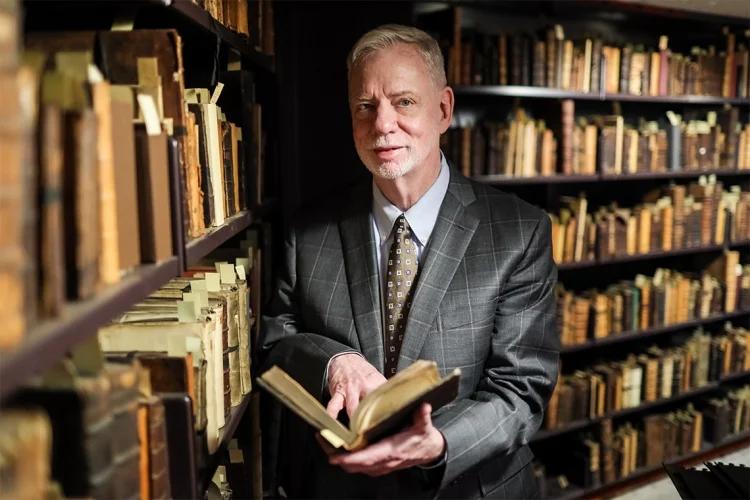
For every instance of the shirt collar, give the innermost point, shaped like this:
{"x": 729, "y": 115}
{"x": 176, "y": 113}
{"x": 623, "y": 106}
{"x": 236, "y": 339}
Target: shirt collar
{"x": 421, "y": 216}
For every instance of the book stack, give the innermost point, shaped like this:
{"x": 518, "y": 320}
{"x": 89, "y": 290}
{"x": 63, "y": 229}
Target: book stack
{"x": 547, "y": 58}
{"x": 700, "y": 214}
{"x": 668, "y": 297}
{"x": 194, "y": 336}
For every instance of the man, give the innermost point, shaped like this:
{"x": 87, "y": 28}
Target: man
{"x": 421, "y": 263}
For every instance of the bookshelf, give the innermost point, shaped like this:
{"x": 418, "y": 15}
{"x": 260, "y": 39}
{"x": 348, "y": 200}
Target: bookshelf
{"x": 551, "y": 93}
{"x": 545, "y": 181}
{"x": 207, "y": 45}
{"x": 652, "y": 332}
{"x": 474, "y": 36}
{"x": 651, "y": 405}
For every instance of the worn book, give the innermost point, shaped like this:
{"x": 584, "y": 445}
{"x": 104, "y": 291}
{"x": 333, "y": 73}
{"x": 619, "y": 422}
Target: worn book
{"x": 383, "y": 411}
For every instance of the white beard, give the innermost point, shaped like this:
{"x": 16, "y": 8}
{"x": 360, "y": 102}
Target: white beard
{"x": 391, "y": 170}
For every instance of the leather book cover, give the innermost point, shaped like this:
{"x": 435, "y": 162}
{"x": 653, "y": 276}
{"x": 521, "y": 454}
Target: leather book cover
{"x": 51, "y": 242}
{"x": 26, "y": 440}
{"x": 81, "y": 204}
{"x": 154, "y": 207}
{"x": 193, "y": 182}
{"x": 109, "y": 257}
{"x": 124, "y": 431}
{"x": 158, "y": 451}
{"x": 206, "y": 185}
{"x": 228, "y": 169}
{"x": 125, "y": 180}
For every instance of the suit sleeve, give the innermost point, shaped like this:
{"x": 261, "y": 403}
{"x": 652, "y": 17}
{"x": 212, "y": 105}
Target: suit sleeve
{"x": 520, "y": 371}
{"x": 284, "y": 342}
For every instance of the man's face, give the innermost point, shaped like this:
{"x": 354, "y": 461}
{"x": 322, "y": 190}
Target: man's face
{"x": 396, "y": 111}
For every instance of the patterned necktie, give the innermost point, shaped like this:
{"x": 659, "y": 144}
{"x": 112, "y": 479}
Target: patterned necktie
{"x": 402, "y": 274}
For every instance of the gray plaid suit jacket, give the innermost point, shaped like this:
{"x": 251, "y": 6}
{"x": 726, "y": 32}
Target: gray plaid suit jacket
{"x": 484, "y": 303}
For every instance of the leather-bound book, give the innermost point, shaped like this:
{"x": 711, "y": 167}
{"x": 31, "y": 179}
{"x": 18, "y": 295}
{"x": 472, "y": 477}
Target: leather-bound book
{"x": 123, "y": 155}
{"x": 123, "y": 404}
{"x": 51, "y": 242}
{"x": 539, "y": 64}
{"x": 654, "y": 429}
{"x": 80, "y": 185}
{"x": 25, "y": 443}
{"x": 154, "y": 208}
{"x": 566, "y": 137}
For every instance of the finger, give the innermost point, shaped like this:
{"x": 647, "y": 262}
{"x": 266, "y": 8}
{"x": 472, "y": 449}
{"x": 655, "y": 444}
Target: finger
{"x": 335, "y": 404}
{"x": 375, "y": 453}
{"x": 423, "y": 417}
{"x": 352, "y": 401}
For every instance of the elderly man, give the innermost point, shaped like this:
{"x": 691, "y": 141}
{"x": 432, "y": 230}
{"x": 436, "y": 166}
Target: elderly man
{"x": 420, "y": 263}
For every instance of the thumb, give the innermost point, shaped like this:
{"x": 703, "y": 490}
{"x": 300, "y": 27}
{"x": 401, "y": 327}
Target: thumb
{"x": 423, "y": 416}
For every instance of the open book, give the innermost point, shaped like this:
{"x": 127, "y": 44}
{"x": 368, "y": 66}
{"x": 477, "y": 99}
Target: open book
{"x": 385, "y": 410}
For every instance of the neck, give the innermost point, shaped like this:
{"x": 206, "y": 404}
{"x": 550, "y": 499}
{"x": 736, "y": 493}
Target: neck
{"x": 406, "y": 190}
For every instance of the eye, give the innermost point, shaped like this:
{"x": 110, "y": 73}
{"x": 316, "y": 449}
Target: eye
{"x": 364, "y": 106}
{"x": 405, "y": 102}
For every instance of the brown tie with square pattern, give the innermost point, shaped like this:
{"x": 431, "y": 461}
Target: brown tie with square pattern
{"x": 401, "y": 276}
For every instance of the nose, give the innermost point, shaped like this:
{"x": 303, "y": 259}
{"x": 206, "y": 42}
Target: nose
{"x": 385, "y": 118}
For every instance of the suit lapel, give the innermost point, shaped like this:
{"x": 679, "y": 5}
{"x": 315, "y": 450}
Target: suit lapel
{"x": 453, "y": 231}
{"x": 362, "y": 274}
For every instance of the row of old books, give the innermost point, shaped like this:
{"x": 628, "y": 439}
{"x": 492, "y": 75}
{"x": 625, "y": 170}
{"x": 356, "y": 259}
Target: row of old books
{"x": 593, "y": 65}
{"x": 524, "y": 147}
{"x": 700, "y": 214}
{"x": 215, "y": 163}
{"x": 669, "y": 297}
{"x": 209, "y": 146}
{"x": 205, "y": 315}
{"x": 520, "y": 147}
{"x": 252, "y": 18}
{"x": 611, "y": 453}
{"x": 657, "y": 373}
{"x": 93, "y": 429}
{"x": 92, "y": 160}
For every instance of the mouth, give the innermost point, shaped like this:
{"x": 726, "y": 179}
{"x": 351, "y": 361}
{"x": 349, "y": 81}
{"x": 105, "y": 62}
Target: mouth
{"x": 386, "y": 153}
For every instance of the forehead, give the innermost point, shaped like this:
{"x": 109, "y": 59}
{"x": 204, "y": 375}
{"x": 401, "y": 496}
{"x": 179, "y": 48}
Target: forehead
{"x": 399, "y": 65}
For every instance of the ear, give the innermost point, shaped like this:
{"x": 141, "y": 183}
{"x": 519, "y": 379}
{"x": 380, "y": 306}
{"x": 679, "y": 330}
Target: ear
{"x": 446, "y": 108}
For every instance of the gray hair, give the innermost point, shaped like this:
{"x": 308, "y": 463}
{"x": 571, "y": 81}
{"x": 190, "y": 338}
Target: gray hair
{"x": 387, "y": 36}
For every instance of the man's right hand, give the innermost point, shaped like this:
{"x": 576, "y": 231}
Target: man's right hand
{"x": 350, "y": 378}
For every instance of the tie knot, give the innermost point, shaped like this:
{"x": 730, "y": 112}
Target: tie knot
{"x": 401, "y": 225}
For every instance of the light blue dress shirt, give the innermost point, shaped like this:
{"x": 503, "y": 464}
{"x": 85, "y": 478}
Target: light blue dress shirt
{"x": 421, "y": 218}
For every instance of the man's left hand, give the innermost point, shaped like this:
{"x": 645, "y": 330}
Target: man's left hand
{"x": 420, "y": 444}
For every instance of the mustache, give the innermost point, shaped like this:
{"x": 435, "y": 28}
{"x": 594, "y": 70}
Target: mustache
{"x": 383, "y": 142}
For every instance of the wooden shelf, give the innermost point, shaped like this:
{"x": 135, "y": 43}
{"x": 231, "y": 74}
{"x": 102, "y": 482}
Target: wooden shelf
{"x": 650, "y": 332}
{"x": 178, "y": 14}
{"x": 202, "y": 19}
{"x": 553, "y": 93}
{"x": 198, "y": 248}
{"x": 581, "y": 424}
{"x": 504, "y": 180}
{"x": 644, "y": 471}
{"x": 48, "y": 342}
{"x": 227, "y": 433}
{"x": 567, "y": 266}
